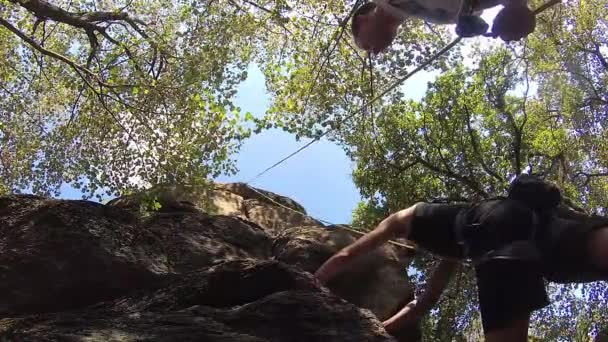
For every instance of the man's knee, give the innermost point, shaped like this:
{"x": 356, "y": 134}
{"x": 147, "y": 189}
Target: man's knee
{"x": 599, "y": 248}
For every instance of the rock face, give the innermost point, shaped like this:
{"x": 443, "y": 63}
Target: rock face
{"x": 281, "y": 304}
{"x": 374, "y": 281}
{"x": 220, "y": 263}
{"x": 58, "y": 255}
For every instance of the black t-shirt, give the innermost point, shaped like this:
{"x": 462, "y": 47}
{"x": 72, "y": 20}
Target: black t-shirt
{"x": 502, "y": 221}
{"x": 433, "y": 228}
{"x": 562, "y": 242}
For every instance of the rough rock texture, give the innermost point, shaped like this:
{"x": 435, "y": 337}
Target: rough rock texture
{"x": 379, "y": 275}
{"x": 210, "y": 265}
{"x": 280, "y": 304}
{"x": 270, "y": 211}
{"x": 192, "y": 241}
{"x": 275, "y": 218}
{"x": 57, "y": 255}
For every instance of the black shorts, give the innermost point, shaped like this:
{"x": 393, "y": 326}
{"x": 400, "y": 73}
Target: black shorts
{"x": 508, "y": 289}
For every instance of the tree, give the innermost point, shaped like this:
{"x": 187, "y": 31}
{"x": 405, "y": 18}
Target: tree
{"x": 568, "y": 58}
{"x": 112, "y": 95}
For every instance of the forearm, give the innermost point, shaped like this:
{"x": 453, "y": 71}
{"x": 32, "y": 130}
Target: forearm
{"x": 396, "y": 224}
{"x": 437, "y": 282}
{"x": 386, "y": 230}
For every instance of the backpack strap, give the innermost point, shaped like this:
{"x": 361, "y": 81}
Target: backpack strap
{"x": 466, "y": 228}
{"x": 471, "y": 228}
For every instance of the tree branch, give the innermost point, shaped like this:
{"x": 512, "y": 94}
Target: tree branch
{"x": 94, "y": 45}
{"x": 258, "y": 6}
{"x": 476, "y": 147}
{"x": 597, "y": 53}
{"x": 77, "y": 67}
{"x": 466, "y": 181}
{"x": 87, "y": 21}
{"x": 600, "y": 56}
{"x": 44, "y": 51}
{"x": 588, "y": 176}
{"x": 500, "y": 105}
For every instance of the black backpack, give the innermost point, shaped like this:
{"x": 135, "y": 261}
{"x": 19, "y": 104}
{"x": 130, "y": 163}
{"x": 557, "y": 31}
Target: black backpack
{"x": 500, "y": 220}
{"x": 537, "y": 194}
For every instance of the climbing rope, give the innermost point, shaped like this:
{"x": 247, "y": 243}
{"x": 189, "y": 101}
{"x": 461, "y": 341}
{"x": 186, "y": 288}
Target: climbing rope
{"x": 339, "y": 226}
{"x": 398, "y": 82}
{"x": 362, "y": 107}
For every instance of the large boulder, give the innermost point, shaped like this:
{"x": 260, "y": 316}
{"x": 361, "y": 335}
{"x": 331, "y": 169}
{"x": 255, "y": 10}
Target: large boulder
{"x": 270, "y": 211}
{"x": 58, "y": 255}
{"x": 192, "y": 241}
{"x": 274, "y": 302}
{"x": 275, "y": 219}
{"x": 248, "y": 192}
{"x": 377, "y": 281}
{"x": 144, "y": 270}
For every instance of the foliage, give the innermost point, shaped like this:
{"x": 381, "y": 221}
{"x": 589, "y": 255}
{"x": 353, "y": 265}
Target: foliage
{"x": 126, "y": 94}
{"x": 367, "y": 215}
{"x": 569, "y": 60}
{"x": 110, "y": 96}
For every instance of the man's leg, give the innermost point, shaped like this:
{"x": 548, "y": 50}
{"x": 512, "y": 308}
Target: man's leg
{"x": 576, "y": 250}
{"x": 516, "y": 331}
{"x": 509, "y": 291}
{"x": 481, "y": 5}
{"x": 515, "y": 21}
{"x": 599, "y": 248}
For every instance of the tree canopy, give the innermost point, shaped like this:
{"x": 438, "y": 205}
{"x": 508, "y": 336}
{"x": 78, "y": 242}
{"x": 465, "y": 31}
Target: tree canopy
{"x": 110, "y": 96}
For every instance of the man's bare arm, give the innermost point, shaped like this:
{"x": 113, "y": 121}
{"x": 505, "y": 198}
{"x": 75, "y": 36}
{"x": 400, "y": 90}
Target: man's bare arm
{"x": 417, "y": 308}
{"x": 396, "y": 224}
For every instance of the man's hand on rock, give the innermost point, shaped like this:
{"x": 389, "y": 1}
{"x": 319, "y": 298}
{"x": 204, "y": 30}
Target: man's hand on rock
{"x": 331, "y": 267}
{"x": 409, "y": 316}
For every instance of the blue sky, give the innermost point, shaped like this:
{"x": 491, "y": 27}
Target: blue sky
{"x": 319, "y": 177}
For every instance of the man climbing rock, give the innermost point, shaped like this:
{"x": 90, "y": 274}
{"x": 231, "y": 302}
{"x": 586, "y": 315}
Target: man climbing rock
{"x": 375, "y": 24}
{"x": 515, "y": 244}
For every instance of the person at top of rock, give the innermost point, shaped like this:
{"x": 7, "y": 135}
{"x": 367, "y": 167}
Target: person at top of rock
{"x": 375, "y": 24}
{"x": 514, "y": 243}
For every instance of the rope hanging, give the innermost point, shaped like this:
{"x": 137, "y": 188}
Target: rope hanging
{"x": 339, "y": 226}
{"x": 399, "y": 81}
{"x": 364, "y": 106}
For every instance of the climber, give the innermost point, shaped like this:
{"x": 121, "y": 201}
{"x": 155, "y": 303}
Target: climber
{"x": 514, "y": 243}
{"x": 375, "y": 24}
